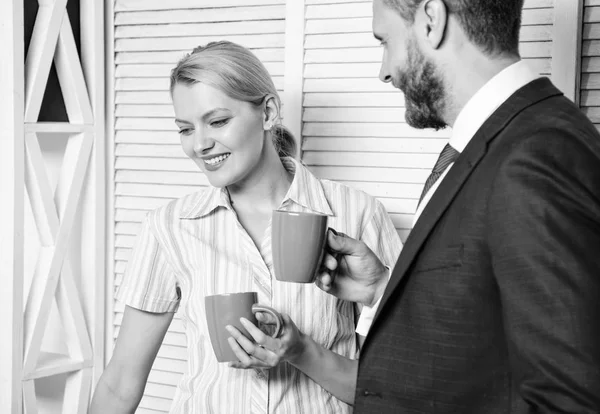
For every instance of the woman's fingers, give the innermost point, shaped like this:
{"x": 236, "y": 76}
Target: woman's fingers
{"x": 245, "y": 360}
{"x": 250, "y": 354}
{"x": 259, "y": 336}
{"x": 266, "y": 318}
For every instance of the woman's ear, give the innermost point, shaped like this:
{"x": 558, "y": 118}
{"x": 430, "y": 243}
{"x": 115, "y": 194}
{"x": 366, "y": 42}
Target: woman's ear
{"x": 270, "y": 112}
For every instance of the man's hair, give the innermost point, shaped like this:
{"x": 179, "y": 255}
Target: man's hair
{"x": 493, "y": 25}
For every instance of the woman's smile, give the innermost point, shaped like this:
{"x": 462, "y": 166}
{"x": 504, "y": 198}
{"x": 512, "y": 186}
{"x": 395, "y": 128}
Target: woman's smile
{"x": 213, "y": 163}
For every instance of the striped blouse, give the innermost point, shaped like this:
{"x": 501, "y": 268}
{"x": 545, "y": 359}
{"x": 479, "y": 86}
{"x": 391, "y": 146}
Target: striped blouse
{"x": 195, "y": 246}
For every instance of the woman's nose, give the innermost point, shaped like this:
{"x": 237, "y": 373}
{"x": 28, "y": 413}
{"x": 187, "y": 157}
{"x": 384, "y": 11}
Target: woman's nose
{"x": 202, "y": 142}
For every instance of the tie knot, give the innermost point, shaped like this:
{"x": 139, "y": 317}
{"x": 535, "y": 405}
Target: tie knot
{"x": 447, "y": 157}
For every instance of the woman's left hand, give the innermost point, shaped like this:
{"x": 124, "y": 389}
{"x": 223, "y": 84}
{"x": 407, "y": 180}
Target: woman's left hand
{"x": 265, "y": 351}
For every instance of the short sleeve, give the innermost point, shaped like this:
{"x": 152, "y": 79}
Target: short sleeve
{"x": 149, "y": 282}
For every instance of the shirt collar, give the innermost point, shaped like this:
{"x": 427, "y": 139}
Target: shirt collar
{"x": 305, "y": 190}
{"x": 205, "y": 202}
{"x": 487, "y": 99}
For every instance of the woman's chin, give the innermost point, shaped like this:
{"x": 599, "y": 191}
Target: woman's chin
{"x": 216, "y": 182}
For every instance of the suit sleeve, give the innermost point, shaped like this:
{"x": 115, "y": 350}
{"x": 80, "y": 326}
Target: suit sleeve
{"x": 544, "y": 239}
{"x": 383, "y": 239}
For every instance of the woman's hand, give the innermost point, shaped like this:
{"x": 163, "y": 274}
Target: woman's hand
{"x": 335, "y": 373}
{"x": 265, "y": 351}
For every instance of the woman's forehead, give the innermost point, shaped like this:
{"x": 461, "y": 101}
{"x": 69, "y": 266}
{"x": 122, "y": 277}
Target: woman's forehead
{"x": 198, "y": 98}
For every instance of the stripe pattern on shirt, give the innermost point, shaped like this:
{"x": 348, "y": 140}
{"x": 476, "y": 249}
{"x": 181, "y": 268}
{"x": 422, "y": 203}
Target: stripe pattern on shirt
{"x": 195, "y": 246}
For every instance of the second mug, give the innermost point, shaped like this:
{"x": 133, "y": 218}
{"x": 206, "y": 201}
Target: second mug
{"x": 297, "y": 241}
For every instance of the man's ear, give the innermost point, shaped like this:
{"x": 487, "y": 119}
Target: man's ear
{"x": 270, "y": 111}
{"x": 435, "y": 14}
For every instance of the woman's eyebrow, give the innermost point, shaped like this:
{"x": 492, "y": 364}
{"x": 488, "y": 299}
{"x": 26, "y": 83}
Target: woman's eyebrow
{"x": 205, "y": 116}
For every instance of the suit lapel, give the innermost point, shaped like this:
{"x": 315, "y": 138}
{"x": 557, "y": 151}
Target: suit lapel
{"x": 530, "y": 94}
{"x": 432, "y": 212}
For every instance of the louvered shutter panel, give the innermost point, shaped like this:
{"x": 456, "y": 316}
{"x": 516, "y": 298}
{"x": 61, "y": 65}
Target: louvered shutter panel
{"x": 590, "y": 64}
{"x": 151, "y": 168}
{"x": 353, "y": 124}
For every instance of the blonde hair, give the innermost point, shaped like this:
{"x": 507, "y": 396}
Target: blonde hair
{"x": 238, "y": 73}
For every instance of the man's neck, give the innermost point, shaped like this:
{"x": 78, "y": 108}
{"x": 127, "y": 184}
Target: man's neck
{"x": 471, "y": 73}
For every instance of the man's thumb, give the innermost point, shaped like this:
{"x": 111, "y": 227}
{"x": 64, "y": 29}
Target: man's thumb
{"x": 340, "y": 243}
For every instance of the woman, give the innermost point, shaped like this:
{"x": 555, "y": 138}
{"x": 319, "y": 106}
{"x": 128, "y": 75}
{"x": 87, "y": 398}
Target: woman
{"x": 218, "y": 241}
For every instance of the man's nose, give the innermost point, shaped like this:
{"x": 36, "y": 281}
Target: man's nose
{"x": 384, "y": 74}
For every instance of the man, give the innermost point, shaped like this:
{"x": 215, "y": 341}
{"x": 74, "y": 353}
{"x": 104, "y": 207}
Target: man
{"x": 494, "y": 303}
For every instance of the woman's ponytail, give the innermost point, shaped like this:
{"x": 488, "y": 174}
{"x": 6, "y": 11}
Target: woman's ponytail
{"x": 284, "y": 141}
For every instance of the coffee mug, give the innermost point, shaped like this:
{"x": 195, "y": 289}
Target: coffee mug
{"x": 227, "y": 309}
{"x": 298, "y": 241}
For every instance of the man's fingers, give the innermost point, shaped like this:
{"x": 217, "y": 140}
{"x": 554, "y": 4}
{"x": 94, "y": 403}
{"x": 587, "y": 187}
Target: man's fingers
{"x": 340, "y": 243}
{"x": 326, "y": 283}
{"x": 329, "y": 262}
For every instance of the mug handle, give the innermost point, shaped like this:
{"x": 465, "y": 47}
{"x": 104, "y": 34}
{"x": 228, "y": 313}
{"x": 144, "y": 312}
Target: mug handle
{"x": 279, "y": 322}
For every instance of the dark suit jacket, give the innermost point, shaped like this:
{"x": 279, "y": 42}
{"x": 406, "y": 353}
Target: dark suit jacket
{"x": 494, "y": 304}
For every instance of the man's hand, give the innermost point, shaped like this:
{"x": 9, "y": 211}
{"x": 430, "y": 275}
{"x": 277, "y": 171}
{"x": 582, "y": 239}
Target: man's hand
{"x": 351, "y": 271}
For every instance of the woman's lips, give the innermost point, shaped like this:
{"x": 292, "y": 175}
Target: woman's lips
{"x": 214, "y": 163}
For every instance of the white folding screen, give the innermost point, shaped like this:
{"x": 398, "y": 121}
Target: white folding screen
{"x": 590, "y": 68}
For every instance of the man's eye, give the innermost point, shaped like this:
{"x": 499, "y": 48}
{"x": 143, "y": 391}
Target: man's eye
{"x": 185, "y": 131}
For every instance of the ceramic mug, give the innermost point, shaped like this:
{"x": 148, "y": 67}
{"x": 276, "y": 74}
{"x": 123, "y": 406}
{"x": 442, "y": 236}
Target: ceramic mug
{"x": 227, "y": 309}
{"x": 298, "y": 242}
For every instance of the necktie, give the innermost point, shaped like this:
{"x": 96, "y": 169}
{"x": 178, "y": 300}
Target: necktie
{"x": 446, "y": 158}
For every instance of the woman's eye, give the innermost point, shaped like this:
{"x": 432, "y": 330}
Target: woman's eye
{"x": 219, "y": 122}
{"x": 185, "y": 131}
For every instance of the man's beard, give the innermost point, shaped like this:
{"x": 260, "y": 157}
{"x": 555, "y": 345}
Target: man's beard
{"x": 423, "y": 90}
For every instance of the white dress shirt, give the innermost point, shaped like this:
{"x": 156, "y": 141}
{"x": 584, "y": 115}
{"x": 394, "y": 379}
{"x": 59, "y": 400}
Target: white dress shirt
{"x": 474, "y": 114}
